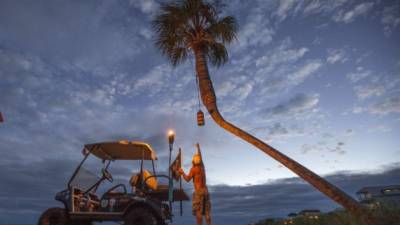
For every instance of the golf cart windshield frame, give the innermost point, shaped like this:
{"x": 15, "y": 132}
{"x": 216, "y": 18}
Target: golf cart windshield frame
{"x": 106, "y": 164}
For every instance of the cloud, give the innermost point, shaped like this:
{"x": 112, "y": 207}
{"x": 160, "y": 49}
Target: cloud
{"x": 237, "y": 88}
{"x": 383, "y": 107}
{"x": 225, "y": 88}
{"x": 351, "y": 15}
{"x": 284, "y": 7}
{"x": 282, "y": 68}
{"x": 145, "y": 6}
{"x": 154, "y": 81}
{"x": 382, "y": 91}
{"x": 278, "y": 132}
{"x": 359, "y": 75}
{"x": 349, "y": 132}
{"x": 314, "y": 7}
{"x": 103, "y": 39}
{"x": 304, "y": 8}
{"x": 367, "y": 91}
{"x": 255, "y": 32}
{"x": 387, "y": 106}
{"x": 328, "y": 144}
{"x": 281, "y": 54}
{"x": 336, "y": 55}
{"x": 390, "y": 18}
{"x": 304, "y": 72}
{"x": 380, "y": 129}
{"x": 243, "y": 91}
{"x": 296, "y": 105}
{"x": 338, "y": 148}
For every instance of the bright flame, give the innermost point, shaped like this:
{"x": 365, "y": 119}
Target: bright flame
{"x": 171, "y": 133}
{"x": 123, "y": 142}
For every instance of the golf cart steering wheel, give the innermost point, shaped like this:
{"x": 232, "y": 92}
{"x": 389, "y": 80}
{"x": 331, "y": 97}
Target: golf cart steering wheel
{"x": 112, "y": 189}
{"x": 107, "y": 175}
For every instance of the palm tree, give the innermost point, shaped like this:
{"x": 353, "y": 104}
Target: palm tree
{"x": 194, "y": 26}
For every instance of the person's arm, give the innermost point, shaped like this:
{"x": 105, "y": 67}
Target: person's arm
{"x": 186, "y": 177}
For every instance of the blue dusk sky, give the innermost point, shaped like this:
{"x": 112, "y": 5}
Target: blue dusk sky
{"x": 318, "y": 80}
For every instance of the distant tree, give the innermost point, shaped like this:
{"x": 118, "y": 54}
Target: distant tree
{"x": 194, "y": 26}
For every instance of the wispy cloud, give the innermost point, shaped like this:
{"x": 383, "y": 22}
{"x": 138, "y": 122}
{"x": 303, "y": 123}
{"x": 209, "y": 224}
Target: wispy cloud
{"x": 387, "y": 106}
{"x": 281, "y": 54}
{"x": 256, "y": 31}
{"x": 154, "y": 81}
{"x": 390, "y": 18}
{"x": 299, "y": 76}
{"x": 350, "y": 15}
{"x": 367, "y": 91}
{"x": 359, "y": 75}
{"x": 145, "y": 6}
{"x": 336, "y": 56}
{"x": 284, "y": 7}
{"x": 300, "y": 103}
{"x": 278, "y": 132}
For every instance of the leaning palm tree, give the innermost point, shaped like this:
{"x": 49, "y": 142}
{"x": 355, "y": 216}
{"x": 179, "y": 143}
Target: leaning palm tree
{"x": 194, "y": 26}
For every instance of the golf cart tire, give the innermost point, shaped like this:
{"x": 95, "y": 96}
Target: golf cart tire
{"x": 81, "y": 222}
{"x": 141, "y": 216}
{"x": 54, "y": 216}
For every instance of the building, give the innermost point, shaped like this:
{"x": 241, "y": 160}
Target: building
{"x": 310, "y": 213}
{"x": 376, "y": 196}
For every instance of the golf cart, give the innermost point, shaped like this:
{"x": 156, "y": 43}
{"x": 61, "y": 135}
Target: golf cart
{"x": 143, "y": 202}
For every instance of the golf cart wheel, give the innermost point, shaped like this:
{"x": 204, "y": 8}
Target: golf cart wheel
{"x": 141, "y": 216}
{"x": 81, "y": 222}
{"x": 54, "y": 216}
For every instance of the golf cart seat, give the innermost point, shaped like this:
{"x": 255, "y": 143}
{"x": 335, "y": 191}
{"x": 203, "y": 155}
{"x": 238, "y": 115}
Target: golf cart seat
{"x": 150, "y": 181}
{"x": 154, "y": 189}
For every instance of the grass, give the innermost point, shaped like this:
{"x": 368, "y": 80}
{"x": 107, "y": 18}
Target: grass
{"x": 383, "y": 216}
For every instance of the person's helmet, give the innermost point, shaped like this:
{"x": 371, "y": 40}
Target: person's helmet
{"x": 196, "y": 159}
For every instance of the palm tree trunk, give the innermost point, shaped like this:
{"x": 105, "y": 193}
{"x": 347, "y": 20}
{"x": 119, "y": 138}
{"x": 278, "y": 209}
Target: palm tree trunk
{"x": 209, "y": 100}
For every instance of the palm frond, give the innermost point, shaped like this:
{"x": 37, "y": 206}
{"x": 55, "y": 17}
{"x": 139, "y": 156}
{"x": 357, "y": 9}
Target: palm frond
{"x": 178, "y": 55}
{"x": 217, "y": 54}
{"x": 224, "y": 29}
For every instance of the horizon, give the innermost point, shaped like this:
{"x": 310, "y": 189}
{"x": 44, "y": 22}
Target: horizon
{"x": 319, "y": 82}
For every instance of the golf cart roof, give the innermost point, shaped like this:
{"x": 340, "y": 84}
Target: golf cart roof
{"x": 122, "y": 150}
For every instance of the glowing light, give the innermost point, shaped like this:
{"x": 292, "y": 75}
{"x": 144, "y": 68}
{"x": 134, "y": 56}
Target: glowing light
{"x": 171, "y": 133}
{"x": 171, "y": 137}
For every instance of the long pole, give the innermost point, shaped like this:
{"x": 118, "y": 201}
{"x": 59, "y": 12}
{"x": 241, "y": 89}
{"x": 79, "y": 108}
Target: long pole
{"x": 171, "y": 138}
{"x": 169, "y": 176}
{"x": 180, "y": 204}
{"x": 180, "y": 182}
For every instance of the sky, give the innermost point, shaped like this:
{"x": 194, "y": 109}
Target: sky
{"x": 320, "y": 82}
